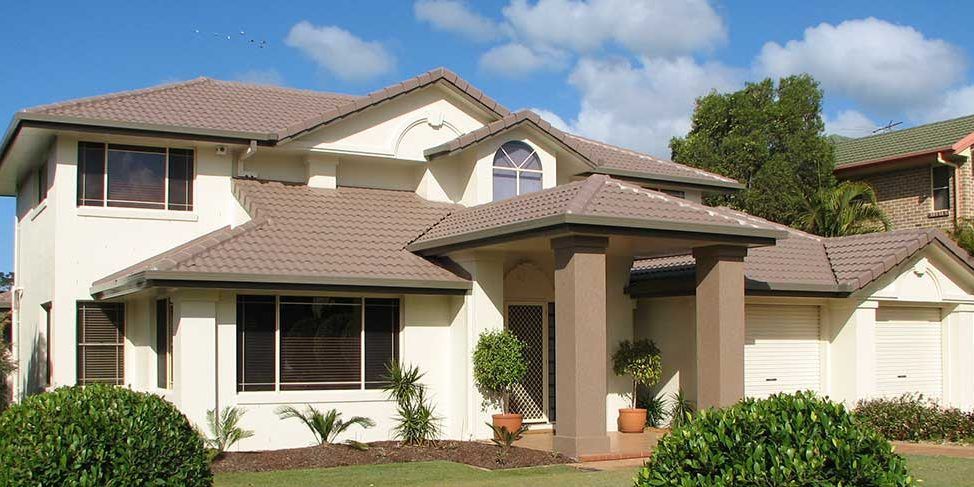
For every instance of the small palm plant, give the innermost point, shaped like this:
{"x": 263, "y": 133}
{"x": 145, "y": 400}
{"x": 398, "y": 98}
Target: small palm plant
{"x": 850, "y": 208}
{"x": 326, "y": 426}
{"x": 416, "y": 423}
{"x": 681, "y": 409}
{"x": 224, "y": 428}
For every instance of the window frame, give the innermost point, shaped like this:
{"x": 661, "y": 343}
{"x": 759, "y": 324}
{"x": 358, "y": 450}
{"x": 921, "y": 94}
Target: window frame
{"x": 49, "y": 349}
{"x": 167, "y": 360}
{"x": 934, "y": 189}
{"x": 82, "y": 347}
{"x": 363, "y": 385}
{"x": 515, "y": 169}
{"x": 42, "y": 187}
{"x": 104, "y": 202}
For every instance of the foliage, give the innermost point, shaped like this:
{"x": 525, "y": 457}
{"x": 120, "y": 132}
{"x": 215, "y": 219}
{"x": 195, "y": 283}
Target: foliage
{"x": 641, "y": 361}
{"x": 503, "y": 437}
{"x": 847, "y": 209}
{"x": 498, "y": 365}
{"x": 788, "y": 439}
{"x": 681, "y": 409}
{"x": 99, "y": 435}
{"x": 224, "y": 428}
{"x": 655, "y": 409}
{"x": 416, "y": 421}
{"x": 963, "y": 234}
{"x": 7, "y": 366}
{"x": 910, "y": 417}
{"x": 769, "y": 138}
{"x": 6, "y": 281}
{"x": 325, "y": 427}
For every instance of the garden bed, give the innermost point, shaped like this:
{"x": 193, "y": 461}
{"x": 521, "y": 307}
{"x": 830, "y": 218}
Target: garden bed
{"x": 483, "y": 455}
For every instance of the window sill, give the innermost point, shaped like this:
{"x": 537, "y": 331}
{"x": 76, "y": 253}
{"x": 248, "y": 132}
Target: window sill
{"x": 38, "y": 210}
{"x": 137, "y": 214}
{"x": 290, "y": 397}
{"x": 938, "y": 213}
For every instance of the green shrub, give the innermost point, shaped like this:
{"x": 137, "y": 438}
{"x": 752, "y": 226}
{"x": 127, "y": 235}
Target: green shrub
{"x": 681, "y": 409}
{"x": 655, "y": 408}
{"x": 788, "y": 439}
{"x": 963, "y": 234}
{"x": 99, "y": 435}
{"x": 639, "y": 360}
{"x": 416, "y": 421}
{"x": 7, "y": 366}
{"x": 498, "y": 365}
{"x": 912, "y": 418}
{"x": 224, "y": 428}
{"x": 326, "y": 426}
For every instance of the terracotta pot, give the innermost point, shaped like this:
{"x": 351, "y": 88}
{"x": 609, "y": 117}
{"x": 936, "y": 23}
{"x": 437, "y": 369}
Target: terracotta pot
{"x": 632, "y": 420}
{"x": 510, "y": 421}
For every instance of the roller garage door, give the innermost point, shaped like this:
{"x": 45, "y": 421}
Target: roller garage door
{"x": 909, "y": 353}
{"x": 782, "y": 350}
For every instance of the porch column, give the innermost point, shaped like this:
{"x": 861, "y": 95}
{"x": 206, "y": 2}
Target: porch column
{"x": 195, "y": 354}
{"x": 580, "y": 348}
{"x": 720, "y": 325}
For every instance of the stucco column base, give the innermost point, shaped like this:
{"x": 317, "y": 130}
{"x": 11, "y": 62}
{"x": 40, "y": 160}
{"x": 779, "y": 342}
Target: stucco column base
{"x": 580, "y": 345}
{"x": 720, "y": 325}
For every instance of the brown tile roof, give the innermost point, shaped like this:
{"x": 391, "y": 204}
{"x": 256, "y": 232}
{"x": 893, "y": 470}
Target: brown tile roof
{"x": 204, "y": 103}
{"x": 298, "y": 234}
{"x": 6, "y": 300}
{"x": 273, "y": 115}
{"x": 596, "y": 200}
{"x": 805, "y": 262}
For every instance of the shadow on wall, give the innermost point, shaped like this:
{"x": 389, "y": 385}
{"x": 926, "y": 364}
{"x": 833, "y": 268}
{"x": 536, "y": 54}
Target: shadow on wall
{"x": 35, "y": 373}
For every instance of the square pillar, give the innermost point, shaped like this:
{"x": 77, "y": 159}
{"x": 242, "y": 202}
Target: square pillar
{"x": 580, "y": 346}
{"x": 720, "y": 325}
{"x": 195, "y": 354}
{"x": 852, "y": 351}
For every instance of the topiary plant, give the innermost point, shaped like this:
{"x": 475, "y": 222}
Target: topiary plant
{"x": 498, "y": 365}
{"x": 787, "y": 439}
{"x": 639, "y": 360}
{"x": 99, "y": 435}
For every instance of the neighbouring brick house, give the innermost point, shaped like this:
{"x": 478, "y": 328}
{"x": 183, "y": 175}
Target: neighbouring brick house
{"x": 922, "y": 175}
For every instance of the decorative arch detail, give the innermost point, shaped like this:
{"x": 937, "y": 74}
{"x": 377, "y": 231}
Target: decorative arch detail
{"x": 528, "y": 281}
{"x": 433, "y": 120}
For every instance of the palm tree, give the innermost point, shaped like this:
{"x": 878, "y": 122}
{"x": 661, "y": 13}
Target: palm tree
{"x": 847, "y": 209}
{"x": 326, "y": 427}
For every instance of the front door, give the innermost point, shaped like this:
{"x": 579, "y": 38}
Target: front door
{"x": 529, "y": 322}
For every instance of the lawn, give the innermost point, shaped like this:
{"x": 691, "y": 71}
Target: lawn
{"x": 935, "y": 472}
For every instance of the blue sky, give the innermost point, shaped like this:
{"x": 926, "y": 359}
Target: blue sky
{"x": 612, "y": 69}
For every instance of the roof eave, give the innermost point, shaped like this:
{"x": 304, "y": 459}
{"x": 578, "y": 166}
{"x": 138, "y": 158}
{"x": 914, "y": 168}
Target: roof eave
{"x": 882, "y": 160}
{"x": 752, "y": 236}
{"x": 699, "y": 183}
{"x": 123, "y": 286}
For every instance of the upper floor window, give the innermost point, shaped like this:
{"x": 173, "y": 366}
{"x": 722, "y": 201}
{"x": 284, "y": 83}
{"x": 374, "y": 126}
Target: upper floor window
{"x": 42, "y": 182}
{"x": 517, "y": 170}
{"x": 135, "y": 176}
{"x": 940, "y": 177}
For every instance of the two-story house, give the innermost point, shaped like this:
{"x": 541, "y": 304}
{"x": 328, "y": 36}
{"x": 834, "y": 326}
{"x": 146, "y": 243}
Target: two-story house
{"x": 221, "y": 243}
{"x": 921, "y": 175}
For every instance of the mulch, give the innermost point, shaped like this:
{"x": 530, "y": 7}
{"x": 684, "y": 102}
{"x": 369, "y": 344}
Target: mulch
{"x": 483, "y": 455}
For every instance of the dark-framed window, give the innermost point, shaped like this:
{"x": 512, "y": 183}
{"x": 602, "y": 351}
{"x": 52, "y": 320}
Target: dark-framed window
{"x": 42, "y": 182}
{"x": 135, "y": 176}
{"x": 101, "y": 343}
{"x": 315, "y": 342}
{"x": 517, "y": 170}
{"x": 163, "y": 343}
{"x": 940, "y": 186}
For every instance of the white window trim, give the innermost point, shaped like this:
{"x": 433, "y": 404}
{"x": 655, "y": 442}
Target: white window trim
{"x": 136, "y": 213}
{"x": 165, "y": 183}
{"x": 517, "y": 170}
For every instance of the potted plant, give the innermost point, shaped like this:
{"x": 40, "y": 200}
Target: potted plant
{"x": 639, "y": 360}
{"x": 498, "y": 365}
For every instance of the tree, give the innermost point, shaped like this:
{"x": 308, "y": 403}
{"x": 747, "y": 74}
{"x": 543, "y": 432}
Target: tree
{"x": 6, "y": 281}
{"x": 847, "y": 209}
{"x": 770, "y": 138}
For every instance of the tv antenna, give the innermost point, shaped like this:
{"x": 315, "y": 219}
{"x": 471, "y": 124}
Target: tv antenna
{"x": 887, "y": 128}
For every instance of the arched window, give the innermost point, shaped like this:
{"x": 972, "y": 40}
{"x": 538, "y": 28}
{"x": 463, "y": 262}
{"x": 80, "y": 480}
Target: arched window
{"x": 517, "y": 170}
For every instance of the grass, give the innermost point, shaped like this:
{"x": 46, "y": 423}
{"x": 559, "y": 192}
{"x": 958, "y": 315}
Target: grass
{"x": 934, "y": 471}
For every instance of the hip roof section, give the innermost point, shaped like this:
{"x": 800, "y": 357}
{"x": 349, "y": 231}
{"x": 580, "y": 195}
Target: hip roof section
{"x": 921, "y": 139}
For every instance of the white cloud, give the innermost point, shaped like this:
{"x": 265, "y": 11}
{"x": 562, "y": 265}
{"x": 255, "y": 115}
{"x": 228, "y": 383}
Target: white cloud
{"x": 849, "y": 123}
{"x": 649, "y": 28}
{"x": 261, "y": 77}
{"x": 340, "y": 52}
{"x": 642, "y": 107}
{"x": 954, "y": 103}
{"x": 881, "y": 65}
{"x": 552, "y": 118}
{"x": 456, "y": 16}
{"x": 514, "y": 60}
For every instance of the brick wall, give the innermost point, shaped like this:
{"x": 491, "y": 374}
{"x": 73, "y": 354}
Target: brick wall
{"x": 905, "y": 196}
